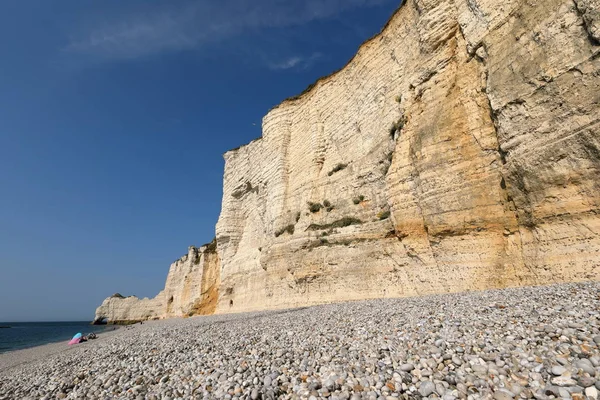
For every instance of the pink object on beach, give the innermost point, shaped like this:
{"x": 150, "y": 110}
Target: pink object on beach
{"x": 75, "y": 341}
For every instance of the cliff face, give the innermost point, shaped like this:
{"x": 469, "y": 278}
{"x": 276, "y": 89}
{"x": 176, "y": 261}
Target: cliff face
{"x": 192, "y": 288}
{"x": 458, "y": 150}
{"x": 193, "y": 283}
{"x": 489, "y": 181}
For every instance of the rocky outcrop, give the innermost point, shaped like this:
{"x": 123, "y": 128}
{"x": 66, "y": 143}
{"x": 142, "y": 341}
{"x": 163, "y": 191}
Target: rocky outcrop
{"x": 124, "y": 310}
{"x": 459, "y": 150}
{"x": 192, "y": 288}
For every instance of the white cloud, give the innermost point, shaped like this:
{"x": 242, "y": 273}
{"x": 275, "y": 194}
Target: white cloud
{"x": 195, "y": 24}
{"x": 296, "y": 62}
{"x": 131, "y": 40}
{"x": 287, "y": 64}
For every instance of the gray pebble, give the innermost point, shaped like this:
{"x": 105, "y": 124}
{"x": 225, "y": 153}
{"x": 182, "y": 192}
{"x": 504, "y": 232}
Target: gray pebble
{"x": 564, "y": 393}
{"x": 586, "y": 366}
{"x": 407, "y": 367}
{"x": 426, "y": 388}
{"x": 558, "y": 370}
{"x": 586, "y": 381}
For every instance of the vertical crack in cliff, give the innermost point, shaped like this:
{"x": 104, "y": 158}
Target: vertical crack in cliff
{"x": 392, "y": 144}
{"x": 510, "y": 205}
{"x": 285, "y": 175}
{"x": 320, "y": 144}
{"x": 411, "y": 253}
{"x": 416, "y": 178}
{"x": 401, "y": 268}
{"x": 479, "y": 53}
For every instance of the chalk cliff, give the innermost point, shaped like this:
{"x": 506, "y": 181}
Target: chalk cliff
{"x": 458, "y": 150}
{"x": 192, "y": 288}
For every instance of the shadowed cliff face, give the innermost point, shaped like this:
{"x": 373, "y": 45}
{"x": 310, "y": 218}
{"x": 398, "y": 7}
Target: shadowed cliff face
{"x": 458, "y": 150}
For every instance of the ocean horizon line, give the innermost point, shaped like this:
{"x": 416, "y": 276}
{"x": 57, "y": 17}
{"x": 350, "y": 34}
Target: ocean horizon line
{"x": 2, "y": 323}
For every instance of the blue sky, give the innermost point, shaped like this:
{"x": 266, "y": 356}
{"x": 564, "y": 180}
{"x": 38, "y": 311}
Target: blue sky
{"x": 114, "y": 116}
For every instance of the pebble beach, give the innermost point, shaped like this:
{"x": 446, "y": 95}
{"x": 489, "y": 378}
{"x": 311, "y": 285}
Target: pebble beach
{"x": 522, "y": 343}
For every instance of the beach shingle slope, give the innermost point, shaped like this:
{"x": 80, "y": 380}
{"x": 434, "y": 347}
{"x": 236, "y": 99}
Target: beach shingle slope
{"x": 537, "y": 342}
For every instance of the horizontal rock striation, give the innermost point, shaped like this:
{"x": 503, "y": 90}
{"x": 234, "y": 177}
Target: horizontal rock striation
{"x": 458, "y": 150}
{"x": 463, "y": 141}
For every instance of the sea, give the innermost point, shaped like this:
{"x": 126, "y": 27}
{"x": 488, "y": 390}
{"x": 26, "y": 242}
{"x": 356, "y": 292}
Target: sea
{"x": 22, "y": 335}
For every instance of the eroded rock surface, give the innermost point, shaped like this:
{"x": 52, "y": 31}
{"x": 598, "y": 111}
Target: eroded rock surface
{"x": 458, "y": 150}
{"x": 192, "y": 288}
{"x": 490, "y": 180}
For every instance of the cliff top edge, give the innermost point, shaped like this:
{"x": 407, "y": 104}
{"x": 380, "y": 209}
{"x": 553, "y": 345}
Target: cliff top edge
{"x": 313, "y": 86}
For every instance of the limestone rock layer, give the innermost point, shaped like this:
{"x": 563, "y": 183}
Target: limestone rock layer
{"x": 192, "y": 288}
{"x": 458, "y": 150}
